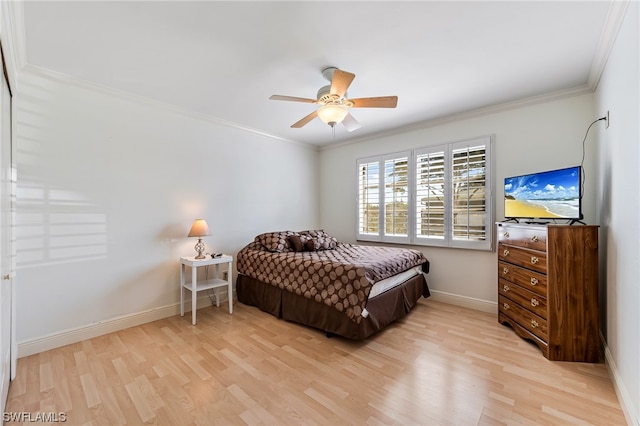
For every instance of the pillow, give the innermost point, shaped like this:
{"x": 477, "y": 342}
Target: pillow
{"x": 277, "y": 242}
{"x": 296, "y": 243}
{"x": 310, "y": 245}
{"x": 321, "y": 240}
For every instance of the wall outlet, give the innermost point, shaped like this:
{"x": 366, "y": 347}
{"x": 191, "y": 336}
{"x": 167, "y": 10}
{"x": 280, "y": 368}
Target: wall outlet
{"x": 606, "y": 121}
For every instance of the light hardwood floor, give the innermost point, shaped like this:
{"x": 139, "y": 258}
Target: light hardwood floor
{"x": 441, "y": 364}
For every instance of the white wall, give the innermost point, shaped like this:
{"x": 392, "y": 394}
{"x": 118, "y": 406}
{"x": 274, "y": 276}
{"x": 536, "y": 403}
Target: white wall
{"x": 527, "y": 139}
{"x": 108, "y": 186}
{"x": 618, "y": 206}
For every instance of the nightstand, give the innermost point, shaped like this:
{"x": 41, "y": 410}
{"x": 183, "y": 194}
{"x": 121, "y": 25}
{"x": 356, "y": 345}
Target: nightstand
{"x": 194, "y": 286}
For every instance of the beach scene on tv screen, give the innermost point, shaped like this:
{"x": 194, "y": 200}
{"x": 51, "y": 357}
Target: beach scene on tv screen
{"x": 553, "y": 194}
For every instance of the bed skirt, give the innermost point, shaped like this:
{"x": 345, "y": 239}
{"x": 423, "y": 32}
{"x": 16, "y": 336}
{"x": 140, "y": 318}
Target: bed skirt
{"x": 383, "y": 309}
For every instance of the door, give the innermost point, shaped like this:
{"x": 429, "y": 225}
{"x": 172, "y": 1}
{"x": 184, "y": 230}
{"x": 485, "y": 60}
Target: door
{"x": 6, "y": 254}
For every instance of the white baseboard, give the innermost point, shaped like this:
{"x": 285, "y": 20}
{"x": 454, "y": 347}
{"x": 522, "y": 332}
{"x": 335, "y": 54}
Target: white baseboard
{"x": 78, "y": 334}
{"x": 90, "y": 331}
{"x": 621, "y": 390}
{"x": 464, "y": 301}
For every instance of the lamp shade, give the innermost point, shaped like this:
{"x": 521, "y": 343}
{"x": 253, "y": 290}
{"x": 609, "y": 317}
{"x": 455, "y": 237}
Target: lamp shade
{"x": 199, "y": 228}
{"x": 332, "y": 114}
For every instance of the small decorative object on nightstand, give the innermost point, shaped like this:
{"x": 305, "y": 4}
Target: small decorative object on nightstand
{"x": 199, "y": 229}
{"x": 194, "y": 286}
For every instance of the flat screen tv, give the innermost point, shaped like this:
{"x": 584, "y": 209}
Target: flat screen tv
{"x": 554, "y": 194}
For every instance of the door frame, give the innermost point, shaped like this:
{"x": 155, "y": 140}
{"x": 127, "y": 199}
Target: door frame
{"x": 13, "y": 348}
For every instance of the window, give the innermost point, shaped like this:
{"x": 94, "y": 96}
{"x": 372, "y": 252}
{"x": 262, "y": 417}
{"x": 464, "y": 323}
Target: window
{"x": 369, "y": 198}
{"x": 430, "y": 195}
{"x": 438, "y": 195}
{"x": 383, "y": 201}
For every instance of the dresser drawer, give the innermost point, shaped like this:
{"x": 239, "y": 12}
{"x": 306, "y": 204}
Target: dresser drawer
{"x": 528, "y": 320}
{"x": 531, "y": 259}
{"x": 528, "y": 299}
{"x": 524, "y": 277}
{"x": 530, "y": 237}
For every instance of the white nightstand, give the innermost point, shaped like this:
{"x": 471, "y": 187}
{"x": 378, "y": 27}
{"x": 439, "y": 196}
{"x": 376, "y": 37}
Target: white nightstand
{"x": 194, "y": 286}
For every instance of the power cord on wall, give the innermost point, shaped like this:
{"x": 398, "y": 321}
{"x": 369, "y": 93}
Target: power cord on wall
{"x": 605, "y": 118}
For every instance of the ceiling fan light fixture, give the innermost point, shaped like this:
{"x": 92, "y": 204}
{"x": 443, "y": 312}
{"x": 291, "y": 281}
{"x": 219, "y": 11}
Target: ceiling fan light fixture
{"x": 332, "y": 114}
{"x": 334, "y": 103}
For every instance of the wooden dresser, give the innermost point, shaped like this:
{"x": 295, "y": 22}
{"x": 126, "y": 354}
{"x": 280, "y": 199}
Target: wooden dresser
{"x": 548, "y": 287}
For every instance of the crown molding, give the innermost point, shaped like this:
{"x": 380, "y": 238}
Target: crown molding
{"x": 13, "y": 39}
{"x": 472, "y": 113}
{"x": 152, "y": 103}
{"x": 613, "y": 22}
{"x": 14, "y": 23}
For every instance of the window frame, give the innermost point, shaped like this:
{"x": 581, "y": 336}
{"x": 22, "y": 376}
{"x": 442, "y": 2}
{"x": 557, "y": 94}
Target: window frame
{"x": 382, "y": 208}
{"x": 431, "y": 241}
{"x": 368, "y": 236}
{"x": 413, "y": 238}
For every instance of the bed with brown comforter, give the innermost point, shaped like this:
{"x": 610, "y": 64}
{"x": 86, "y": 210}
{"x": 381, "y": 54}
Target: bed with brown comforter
{"x": 310, "y": 278}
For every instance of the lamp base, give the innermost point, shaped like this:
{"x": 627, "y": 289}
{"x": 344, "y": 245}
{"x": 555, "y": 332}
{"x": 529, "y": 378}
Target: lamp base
{"x": 199, "y": 249}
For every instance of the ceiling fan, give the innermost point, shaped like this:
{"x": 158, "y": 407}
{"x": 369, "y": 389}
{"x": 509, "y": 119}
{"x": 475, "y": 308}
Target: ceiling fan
{"x": 333, "y": 101}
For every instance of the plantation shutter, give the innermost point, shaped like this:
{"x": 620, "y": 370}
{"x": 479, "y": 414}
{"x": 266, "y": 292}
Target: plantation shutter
{"x": 369, "y": 198}
{"x": 469, "y": 192}
{"x": 430, "y": 194}
{"x": 396, "y": 196}
{"x": 438, "y": 195}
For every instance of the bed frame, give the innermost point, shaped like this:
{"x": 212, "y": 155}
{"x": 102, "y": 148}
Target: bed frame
{"x": 383, "y": 309}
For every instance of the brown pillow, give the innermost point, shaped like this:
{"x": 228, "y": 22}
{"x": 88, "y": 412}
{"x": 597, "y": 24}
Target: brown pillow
{"x": 296, "y": 243}
{"x": 321, "y": 240}
{"x": 275, "y": 241}
{"x": 310, "y": 245}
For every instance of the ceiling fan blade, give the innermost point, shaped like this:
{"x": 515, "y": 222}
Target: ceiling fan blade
{"x": 379, "y": 102}
{"x": 351, "y": 123}
{"x": 340, "y": 82}
{"x": 292, "y": 98}
{"x": 305, "y": 120}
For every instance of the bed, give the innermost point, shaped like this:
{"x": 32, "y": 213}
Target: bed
{"x": 310, "y": 278}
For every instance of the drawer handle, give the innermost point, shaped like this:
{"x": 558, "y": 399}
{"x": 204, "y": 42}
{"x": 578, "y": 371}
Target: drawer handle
{"x": 534, "y": 281}
{"x": 506, "y": 288}
{"x": 505, "y": 270}
{"x": 534, "y": 323}
{"x": 506, "y": 234}
{"x": 534, "y": 260}
{"x": 534, "y": 302}
{"x": 505, "y": 252}
{"x": 506, "y": 306}
{"x": 534, "y": 239}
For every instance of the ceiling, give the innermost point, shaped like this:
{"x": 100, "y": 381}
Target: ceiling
{"x": 224, "y": 59}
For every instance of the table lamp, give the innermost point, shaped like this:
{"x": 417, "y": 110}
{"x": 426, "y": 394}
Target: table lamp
{"x": 199, "y": 229}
